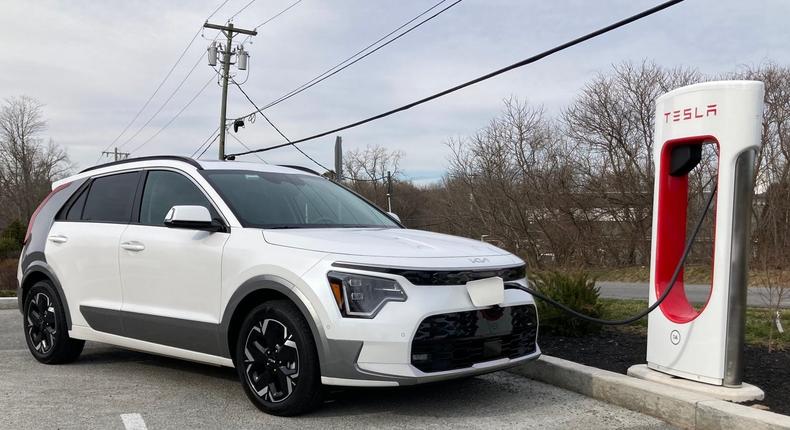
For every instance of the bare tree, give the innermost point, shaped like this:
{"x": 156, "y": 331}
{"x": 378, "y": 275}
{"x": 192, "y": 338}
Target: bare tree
{"x": 613, "y": 121}
{"x": 771, "y": 209}
{"x": 28, "y": 163}
{"x": 371, "y": 163}
{"x": 366, "y": 171}
{"x": 510, "y": 183}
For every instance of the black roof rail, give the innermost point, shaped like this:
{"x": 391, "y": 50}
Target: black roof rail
{"x": 304, "y": 169}
{"x": 147, "y": 158}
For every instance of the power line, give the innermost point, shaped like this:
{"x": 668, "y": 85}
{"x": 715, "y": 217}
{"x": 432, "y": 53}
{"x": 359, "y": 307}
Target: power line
{"x": 245, "y": 145}
{"x": 161, "y": 84}
{"x": 204, "y": 142}
{"x": 356, "y": 58}
{"x": 211, "y": 15}
{"x": 165, "y": 103}
{"x": 521, "y": 63}
{"x": 209, "y": 145}
{"x": 272, "y": 18}
{"x": 176, "y": 115}
{"x": 240, "y": 10}
{"x": 156, "y": 91}
{"x": 277, "y": 129}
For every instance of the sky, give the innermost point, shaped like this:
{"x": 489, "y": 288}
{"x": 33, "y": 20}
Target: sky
{"x": 94, "y": 64}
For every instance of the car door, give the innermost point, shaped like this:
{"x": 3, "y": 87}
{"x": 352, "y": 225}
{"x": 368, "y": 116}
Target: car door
{"x": 82, "y": 249}
{"x": 171, "y": 277}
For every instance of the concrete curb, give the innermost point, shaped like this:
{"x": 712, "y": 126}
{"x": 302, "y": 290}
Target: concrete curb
{"x": 8, "y": 303}
{"x": 678, "y": 407}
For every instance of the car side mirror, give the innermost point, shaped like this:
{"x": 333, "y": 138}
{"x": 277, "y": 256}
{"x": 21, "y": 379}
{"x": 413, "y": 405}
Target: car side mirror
{"x": 394, "y": 216}
{"x": 193, "y": 218}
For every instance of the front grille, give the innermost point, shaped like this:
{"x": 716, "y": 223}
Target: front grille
{"x": 445, "y": 277}
{"x": 460, "y": 339}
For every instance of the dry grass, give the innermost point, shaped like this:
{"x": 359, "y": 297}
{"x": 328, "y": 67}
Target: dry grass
{"x": 8, "y": 277}
{"x": 760, "y": 327}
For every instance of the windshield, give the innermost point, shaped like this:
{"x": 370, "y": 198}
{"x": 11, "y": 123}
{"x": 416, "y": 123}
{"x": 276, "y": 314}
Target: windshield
{"x": 280, "y": 200}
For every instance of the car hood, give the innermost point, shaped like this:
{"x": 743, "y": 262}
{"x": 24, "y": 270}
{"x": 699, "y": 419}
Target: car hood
{"x": 389, "y": 242}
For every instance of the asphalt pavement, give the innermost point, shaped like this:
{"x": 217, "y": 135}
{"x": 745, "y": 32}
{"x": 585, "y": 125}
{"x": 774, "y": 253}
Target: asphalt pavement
{"x": 111, "y": 388}
{"x": 696, "y": 293}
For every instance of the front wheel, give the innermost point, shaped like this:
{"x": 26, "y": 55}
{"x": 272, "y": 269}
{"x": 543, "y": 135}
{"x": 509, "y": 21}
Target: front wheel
{"x": 44, "y": 322}
{"x": 276, "y": 360}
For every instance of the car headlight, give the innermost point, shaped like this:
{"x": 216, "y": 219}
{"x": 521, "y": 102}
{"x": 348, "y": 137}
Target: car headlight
{"x": 361, "y": 296}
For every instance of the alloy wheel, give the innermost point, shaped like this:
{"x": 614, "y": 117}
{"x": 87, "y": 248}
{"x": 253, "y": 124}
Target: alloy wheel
{"x": 41, "y": 323}
{"x": 271, "y": 360}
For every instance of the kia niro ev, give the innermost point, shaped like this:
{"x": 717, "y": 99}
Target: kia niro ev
{"x": 287, "y": 276}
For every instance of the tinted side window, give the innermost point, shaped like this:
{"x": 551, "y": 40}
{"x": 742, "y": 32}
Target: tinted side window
{"x": 165, "y": 189}
{"x": 75, "y": 211}
{"x": 110, "y": 198}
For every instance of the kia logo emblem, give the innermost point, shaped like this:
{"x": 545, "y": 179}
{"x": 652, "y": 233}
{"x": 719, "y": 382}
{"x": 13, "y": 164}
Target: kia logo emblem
{"x": 478, "y": 260}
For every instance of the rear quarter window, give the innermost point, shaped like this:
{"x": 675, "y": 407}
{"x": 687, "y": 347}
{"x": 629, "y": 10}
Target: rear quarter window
{"x": 74, "y": 212}
{"x": 110, "y": 198}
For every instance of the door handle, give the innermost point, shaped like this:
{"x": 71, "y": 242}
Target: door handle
{"x": 133, "y": 246}
{"x": 58, "y": 238}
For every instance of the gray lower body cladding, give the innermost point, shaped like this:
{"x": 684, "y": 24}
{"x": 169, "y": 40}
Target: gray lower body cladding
{"x": 179, "y": 333}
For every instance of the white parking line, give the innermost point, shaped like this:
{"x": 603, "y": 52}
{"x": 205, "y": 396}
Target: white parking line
{"x": 133, "y": 422}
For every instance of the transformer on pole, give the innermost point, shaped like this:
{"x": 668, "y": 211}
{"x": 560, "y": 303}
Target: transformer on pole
{"x": 227, "y": 53}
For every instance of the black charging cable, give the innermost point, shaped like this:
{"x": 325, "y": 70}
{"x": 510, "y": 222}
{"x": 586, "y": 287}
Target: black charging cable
{"x": 652, "y": 307}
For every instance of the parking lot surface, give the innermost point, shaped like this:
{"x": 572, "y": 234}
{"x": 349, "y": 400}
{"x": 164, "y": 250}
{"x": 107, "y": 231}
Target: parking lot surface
{"x": 111, "y": 388}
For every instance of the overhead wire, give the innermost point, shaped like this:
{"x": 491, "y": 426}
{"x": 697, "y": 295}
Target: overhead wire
{"x": 165, "y": 103}
{"x": 479, "y": 79}
{"x": 355, "y": 58}
{"x": 162, "y": 83}
{"x": 271, "y": 19}
{"x": 241, "y": 10}
{"x": 211, "y": 15}
{"x": 277, "y": 129}
{"x": 209, "y": 145}
{"x": 203, "y": 88}
{"x": 204, "y": 142}
{"x": 245, "y": 145}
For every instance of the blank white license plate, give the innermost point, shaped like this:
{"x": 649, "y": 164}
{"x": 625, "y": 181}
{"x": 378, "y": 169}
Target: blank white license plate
{"x": 486, "y": 292}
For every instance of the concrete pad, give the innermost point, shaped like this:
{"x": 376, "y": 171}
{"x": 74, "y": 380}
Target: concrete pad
{"x": 744, "y": 393}
{"x": 675, "y": 405}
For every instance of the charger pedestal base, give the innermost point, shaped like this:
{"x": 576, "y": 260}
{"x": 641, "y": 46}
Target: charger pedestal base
{"x": 744, "y": 393}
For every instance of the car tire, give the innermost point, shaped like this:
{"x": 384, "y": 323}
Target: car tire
{"x": 44, "y": 322}
{"x": 276, "y": 360}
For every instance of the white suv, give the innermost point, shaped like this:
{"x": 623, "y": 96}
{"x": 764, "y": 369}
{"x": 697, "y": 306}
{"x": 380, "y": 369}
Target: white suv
{"x": 287, "y": 276}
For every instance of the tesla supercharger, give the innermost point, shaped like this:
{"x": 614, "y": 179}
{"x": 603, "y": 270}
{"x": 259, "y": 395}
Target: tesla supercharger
{"x": 703, "y": 345}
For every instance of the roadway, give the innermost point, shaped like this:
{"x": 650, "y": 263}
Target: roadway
{"x": 697, "y": 294}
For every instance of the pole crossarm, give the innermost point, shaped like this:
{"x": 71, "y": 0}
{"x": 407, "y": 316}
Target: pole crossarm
{"x": 230, "y": 29}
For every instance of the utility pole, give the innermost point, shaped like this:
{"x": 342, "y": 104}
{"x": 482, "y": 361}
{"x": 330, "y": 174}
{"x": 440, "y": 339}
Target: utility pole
{"x": 389, "y": 191}
{"x": 229, "y": 31}
{"x": 338, "y": 158}
{"x": 116, "y": 155}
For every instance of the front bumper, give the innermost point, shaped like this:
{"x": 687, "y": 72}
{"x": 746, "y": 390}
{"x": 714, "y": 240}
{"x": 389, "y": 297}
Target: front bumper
{"x": 378, "y": 351}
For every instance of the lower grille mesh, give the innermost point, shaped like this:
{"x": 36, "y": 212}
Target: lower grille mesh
{"x": 460, "y": 339}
